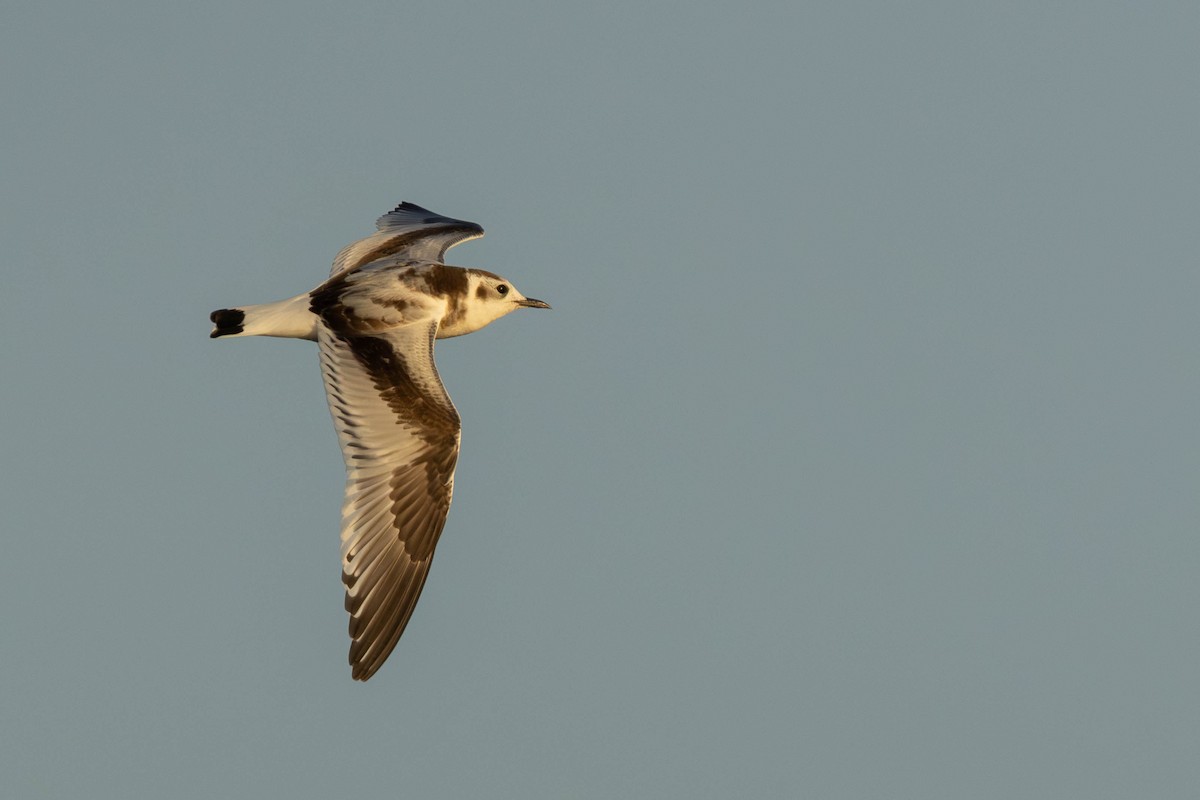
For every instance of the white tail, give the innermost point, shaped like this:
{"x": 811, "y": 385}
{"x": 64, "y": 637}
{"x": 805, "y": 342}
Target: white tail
{"x": 289, "y": 319}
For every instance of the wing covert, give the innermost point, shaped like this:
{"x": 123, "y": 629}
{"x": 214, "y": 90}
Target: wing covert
{"x": 399, "y": 434}
{"x": 409, "y": 232}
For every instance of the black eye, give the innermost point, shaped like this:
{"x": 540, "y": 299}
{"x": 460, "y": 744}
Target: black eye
{"x": 502, "y": 289}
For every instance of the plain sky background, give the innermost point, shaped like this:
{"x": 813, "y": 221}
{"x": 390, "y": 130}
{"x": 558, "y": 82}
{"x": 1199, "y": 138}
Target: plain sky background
{"x": 858, "y": 457}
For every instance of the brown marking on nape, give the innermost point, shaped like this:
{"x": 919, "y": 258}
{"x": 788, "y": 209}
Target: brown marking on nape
{"x": 456, "y": 309}
{"x": 447, "y": 281}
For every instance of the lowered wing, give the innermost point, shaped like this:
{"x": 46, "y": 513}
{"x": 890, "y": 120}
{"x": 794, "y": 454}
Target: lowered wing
{"x": 399, "y": 434}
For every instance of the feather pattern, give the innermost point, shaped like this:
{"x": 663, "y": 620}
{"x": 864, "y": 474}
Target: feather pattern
{"x": 407, "y": 232}
{"x": 399, "y": 433}
{"x": 388, "y": 298}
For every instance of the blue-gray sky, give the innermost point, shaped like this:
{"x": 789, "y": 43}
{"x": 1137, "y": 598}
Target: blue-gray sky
{"x": 857, "y": 459}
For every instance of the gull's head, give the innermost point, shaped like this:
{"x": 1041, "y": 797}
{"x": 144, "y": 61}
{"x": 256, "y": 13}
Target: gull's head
{"x": 489, "y": 297}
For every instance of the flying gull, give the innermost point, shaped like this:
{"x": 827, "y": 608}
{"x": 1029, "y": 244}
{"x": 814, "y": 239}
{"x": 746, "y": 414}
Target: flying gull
{"x": 375, "y": 320}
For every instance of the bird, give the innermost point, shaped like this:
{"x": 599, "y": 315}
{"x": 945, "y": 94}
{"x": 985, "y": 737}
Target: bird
{"x": 388, "y": 297}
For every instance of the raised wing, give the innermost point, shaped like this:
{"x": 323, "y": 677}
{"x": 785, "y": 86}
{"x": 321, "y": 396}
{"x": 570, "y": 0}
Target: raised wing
{"x": 399, "y": 434}
{"x": 409, "y": 232}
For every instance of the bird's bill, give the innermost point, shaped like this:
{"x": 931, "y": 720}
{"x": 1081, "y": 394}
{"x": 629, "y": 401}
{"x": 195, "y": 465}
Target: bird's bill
{"x": 529, "y": 302}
